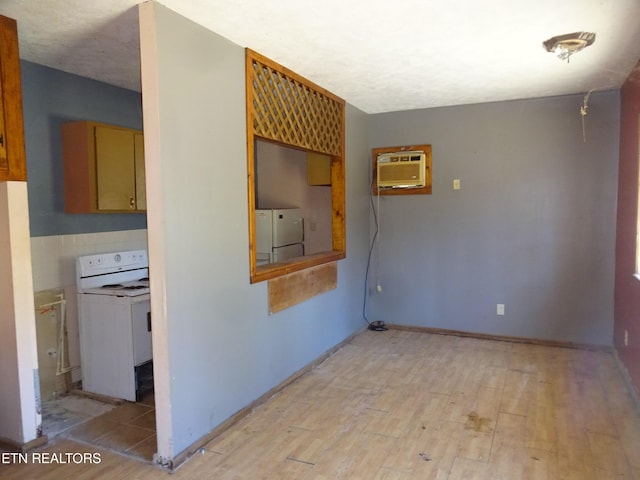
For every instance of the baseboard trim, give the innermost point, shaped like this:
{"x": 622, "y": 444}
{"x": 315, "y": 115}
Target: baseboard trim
{"x": 195, "y": 447}
{"x": 633, "y": 391}
{"x": 15, "y": 447}
{"x": 97, "y": 396}
{"x": 501, "y": 338}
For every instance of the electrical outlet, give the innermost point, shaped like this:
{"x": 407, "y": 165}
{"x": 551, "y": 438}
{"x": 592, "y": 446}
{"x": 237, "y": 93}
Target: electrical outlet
{"x": 626, "y": 338}
{"x": 500, "y": 309}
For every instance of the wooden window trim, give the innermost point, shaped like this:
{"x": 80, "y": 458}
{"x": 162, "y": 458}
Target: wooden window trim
{"x": 13, "y": 163}
{"x": 309, "y": 142}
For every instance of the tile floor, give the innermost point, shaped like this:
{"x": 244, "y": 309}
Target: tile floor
{"x": 67, "y": 411}
{"x": 129, "y": 428}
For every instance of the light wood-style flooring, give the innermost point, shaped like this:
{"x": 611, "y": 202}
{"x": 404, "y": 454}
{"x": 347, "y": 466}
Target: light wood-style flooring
{"x": 405, "y": 405}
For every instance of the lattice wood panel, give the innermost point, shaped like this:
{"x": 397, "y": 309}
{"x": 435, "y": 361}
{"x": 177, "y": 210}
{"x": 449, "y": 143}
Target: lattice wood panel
{"x": 287, "y": 108}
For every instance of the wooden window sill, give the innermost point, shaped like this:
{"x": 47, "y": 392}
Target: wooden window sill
{"x": 274, "y": 270}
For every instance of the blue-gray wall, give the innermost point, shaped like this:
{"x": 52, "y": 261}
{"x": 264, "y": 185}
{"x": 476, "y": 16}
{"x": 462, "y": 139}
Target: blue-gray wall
{"x": 216, "y": 348}
{"x": 51, "y": 97}
{"x": 532, "y": 227}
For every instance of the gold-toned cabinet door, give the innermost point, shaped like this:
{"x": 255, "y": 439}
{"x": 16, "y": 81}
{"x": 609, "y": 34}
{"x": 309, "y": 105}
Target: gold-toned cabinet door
{"x": 115, "y": 169}
{"x": 13, "y": 165}
{"x": 103, "y": 168}
{"x": 141, "y": 186}
{"x": 318, "y": 169}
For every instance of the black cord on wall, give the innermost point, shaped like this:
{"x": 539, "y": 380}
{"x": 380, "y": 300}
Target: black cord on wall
{"x": 377, "y": 325}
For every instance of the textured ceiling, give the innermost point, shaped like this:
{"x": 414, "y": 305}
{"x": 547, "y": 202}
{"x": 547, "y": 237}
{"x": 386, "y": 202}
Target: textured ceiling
{"x": 379, "y": 55}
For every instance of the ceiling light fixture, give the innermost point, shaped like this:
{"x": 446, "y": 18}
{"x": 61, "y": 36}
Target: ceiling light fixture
{"x": 563, "y": 46}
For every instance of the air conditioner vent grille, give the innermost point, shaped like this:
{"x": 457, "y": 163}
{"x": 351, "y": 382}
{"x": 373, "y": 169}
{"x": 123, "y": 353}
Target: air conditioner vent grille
{"x": 401, "y": 169}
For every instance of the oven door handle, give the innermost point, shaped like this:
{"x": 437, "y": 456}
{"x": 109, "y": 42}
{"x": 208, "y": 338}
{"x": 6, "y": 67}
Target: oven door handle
{"x": 148, "y": 321}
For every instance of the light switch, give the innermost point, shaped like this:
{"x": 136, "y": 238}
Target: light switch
{"x": 456, "y": 184}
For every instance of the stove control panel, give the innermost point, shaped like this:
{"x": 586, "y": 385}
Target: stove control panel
{"x": 104, "y": 263}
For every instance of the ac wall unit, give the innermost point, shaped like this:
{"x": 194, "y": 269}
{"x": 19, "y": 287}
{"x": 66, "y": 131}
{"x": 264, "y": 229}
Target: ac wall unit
{"x": 401, "y": 169}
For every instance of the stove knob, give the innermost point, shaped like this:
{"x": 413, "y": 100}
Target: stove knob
{"x": 117, "y": 258}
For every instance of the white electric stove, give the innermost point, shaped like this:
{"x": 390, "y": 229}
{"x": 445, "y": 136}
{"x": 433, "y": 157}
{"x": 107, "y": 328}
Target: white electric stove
{"x": 122, "y": 274}
{"x": 114, "y": 315}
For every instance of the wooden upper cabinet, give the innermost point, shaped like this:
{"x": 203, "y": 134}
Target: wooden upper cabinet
{"x": 103, "y": 168}
{"x": 318, "y": 169}
{"x": 141, "y": 185}
{"x": 13, "y": 165}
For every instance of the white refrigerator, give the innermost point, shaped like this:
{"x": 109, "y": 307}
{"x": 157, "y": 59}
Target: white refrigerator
{"x": 279, "y": 234}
